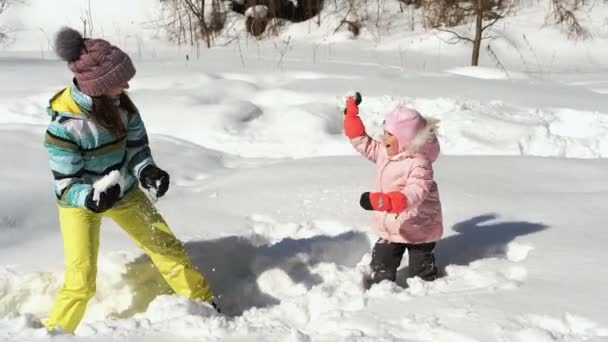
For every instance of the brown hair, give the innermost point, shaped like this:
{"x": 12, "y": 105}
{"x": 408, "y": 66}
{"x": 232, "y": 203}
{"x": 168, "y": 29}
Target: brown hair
{"x": 107, "y": 115}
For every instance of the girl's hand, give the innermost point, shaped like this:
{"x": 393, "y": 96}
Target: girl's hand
{"x": 352, "y": 105}
{"x": 392, "y": 202}
{"x": 353, "y": 126}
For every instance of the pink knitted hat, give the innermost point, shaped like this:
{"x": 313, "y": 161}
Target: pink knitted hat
{"x": 404, "y": 123}
{"x": 97, "y": 65}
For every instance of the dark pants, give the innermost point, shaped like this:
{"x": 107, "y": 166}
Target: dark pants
{"x": 387, "y": 256}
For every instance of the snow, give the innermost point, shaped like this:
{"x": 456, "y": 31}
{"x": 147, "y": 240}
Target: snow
{"x": 252, "y": 113}
{"x": 34, "y": 23}
{"x": 486, "y": 73}
{"x": 257, "y": 12}
{"x": 301, "y": 264}
{"x": 106, "y": 182}
{"x": 518, "y": 252}
{"x": 265, "y": 187}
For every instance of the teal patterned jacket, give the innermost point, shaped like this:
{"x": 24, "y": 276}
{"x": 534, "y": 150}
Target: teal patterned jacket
{"x": 81, "y": 151}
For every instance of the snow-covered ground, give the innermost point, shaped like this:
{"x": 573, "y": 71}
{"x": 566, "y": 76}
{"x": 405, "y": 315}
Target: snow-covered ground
{"x": 265, "y": 188}
{"x": 284, "y": 245}
{"x": 268, "y": 108}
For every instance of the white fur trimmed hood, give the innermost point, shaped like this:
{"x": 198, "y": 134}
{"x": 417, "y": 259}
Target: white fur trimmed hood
{"x": 424, "y": 144}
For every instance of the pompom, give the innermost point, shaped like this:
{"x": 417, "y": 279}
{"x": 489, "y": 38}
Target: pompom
{"x": 69, "y": 44}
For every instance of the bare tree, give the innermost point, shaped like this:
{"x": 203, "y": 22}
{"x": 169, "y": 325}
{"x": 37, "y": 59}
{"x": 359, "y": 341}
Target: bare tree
{"x": 4, "y": 31}
{"x": 563, "y": 12}
{"x": 278, "y": 12}
{"x": 415, "y": 3}
{"x": 193, "y": 20}
{"x": 3, "y": 5}
{"x": 177, "y": 22}
{"x": 87, "y": 22}
{"x": 443, "y": 15}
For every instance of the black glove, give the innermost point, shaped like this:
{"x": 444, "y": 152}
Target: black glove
{"x": 151, "y": 177}
{"x": 106, "y": 201}
{"x": 365, "y": 202}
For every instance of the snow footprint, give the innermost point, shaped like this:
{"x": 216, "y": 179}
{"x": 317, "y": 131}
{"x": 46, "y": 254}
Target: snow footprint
{"x": 548, "y": 329}
{"x": 492, "y": 274}
{"x": 518, "y": 252}
{"x": 273, "y": 231}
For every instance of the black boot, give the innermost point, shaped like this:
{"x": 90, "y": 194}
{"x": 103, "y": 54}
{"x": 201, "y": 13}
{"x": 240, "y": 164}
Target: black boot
{"x": 422, "y": 261}
{"x": 386, "y": 258}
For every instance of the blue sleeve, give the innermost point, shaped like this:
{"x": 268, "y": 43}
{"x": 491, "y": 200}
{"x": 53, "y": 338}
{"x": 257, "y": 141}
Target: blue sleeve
{"x": 138, "y": 150}
{"x": 67, "y": 165}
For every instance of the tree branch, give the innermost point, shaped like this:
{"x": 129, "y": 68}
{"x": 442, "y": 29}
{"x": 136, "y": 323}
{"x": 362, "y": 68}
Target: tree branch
{"x": 193, "y": 8}
{"x": 343, "y": 19}
{"x": 490, "y": 24}
{"x": 466, "y": 11}
{"x": 4, "y": 4}
{"x": 458, "y": 36}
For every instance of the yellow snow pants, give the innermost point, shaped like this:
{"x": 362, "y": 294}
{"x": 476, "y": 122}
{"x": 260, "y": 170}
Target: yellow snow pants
{"x": 137, "y": 216}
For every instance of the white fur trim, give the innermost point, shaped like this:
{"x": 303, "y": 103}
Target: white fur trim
{"x": 426, "y": 134}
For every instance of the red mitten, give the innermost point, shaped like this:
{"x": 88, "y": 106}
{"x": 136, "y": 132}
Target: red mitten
{"x": 353, "y": 126}
{"x": 351, "y": 107}
{"x": 398, "y": 202}
{"x": 393, "y": 202}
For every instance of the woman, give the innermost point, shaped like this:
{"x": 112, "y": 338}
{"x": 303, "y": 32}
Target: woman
{"x": 95, "y": 129}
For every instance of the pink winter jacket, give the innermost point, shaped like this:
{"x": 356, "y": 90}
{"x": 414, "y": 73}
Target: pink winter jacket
{"x": 410, "y": 172}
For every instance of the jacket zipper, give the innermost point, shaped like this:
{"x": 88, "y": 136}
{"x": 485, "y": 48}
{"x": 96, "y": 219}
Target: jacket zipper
{"x": 385, "y": 215}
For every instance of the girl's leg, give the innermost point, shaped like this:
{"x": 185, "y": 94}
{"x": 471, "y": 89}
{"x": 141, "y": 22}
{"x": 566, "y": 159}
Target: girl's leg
{"x": 386, "y": 258}
{"x": 422, "y": 261}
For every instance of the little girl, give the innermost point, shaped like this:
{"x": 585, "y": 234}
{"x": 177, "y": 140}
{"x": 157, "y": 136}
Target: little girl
{"x": 406, "y": 202}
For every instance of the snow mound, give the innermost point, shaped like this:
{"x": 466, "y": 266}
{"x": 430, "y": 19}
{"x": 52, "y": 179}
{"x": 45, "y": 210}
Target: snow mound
{"x": 470, "y": 127}
{"x": 288, "y": 265}
{"x": 568, "y": 327}
{"x": 166, "y": 308}
{"x": 269, "y": 229}
{"x": 298, "y": 114}
{"x": 486, "y": 73}
{"x": 517, "y": 252}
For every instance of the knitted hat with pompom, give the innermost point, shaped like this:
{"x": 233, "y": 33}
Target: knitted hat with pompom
{"x": 97, "y": 65}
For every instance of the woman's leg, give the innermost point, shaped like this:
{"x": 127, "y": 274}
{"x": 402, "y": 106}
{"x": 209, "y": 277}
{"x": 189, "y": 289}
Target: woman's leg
{"x": 80, "y": 230}
{"x": 137, "y": 216}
